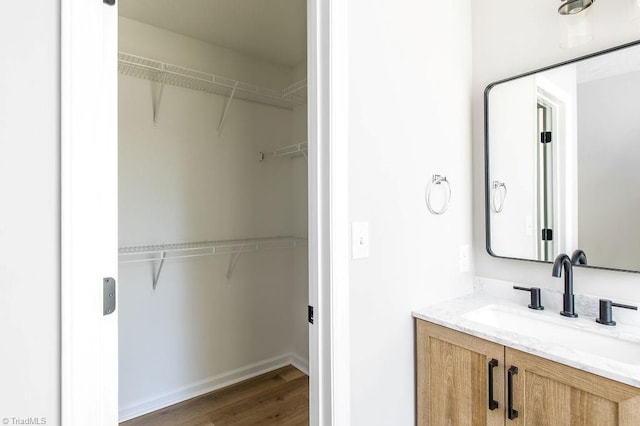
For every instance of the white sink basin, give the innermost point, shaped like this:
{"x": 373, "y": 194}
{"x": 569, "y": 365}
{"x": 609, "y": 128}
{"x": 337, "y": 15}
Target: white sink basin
{"x": 560, "y": 331}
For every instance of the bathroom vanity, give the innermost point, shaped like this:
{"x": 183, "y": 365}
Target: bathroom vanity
{"x": 483, "y": 361}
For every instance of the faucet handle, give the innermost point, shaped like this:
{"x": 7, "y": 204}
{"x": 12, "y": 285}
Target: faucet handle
{"x": 606, "y": 315}
{"x": 535, "y": 297}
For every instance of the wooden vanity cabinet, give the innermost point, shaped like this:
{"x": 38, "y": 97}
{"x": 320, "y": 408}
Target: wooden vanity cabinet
{"x": 453, "y": 381}
{"x": 548, "y": 393}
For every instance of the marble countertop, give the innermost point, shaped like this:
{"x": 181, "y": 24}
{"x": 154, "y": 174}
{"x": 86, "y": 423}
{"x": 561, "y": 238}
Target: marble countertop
{"x": 451, "y": 314}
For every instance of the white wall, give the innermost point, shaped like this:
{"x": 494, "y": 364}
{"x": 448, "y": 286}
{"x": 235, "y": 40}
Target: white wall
{"x": 409, "y": 118}
{"x": 30, "y": 218}
{"x": 609, "y": 154}
{"x": 181, "y": 182}
{"x": 510, "y": 38}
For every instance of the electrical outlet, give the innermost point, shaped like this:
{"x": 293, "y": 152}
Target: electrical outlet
{"x": 465, "y": 257}
{"x": 360, "y": 240}
{"x": 528, "y": 226}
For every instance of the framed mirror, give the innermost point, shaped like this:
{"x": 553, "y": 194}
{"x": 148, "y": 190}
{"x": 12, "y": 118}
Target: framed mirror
{"x": 562, "y": 161}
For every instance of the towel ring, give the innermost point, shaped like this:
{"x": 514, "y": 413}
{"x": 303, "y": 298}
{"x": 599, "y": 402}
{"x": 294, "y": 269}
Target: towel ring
{"x": 499, "y": 188}
{"x": 444, "y": 183}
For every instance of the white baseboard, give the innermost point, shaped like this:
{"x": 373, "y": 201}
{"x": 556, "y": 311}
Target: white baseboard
{"x": 300, "y": 363}
{"x": 210, "y": 384}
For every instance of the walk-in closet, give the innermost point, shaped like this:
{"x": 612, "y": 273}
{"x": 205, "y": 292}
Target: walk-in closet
{"x": 213, "y": 264}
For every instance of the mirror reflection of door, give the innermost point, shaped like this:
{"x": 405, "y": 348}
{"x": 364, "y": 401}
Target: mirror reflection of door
{"x": 544, "y": 210}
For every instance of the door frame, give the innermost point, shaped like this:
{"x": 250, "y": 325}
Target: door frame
{"x": 85, "y": 391}
{"x": 328, "y": 132}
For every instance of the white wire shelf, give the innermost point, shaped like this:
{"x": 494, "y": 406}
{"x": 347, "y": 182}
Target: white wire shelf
{"x": 296, "y": 89}
{"x": 161, "y": 252}
{"x": 296, "y": 150}
{"x": 161, "y": 72}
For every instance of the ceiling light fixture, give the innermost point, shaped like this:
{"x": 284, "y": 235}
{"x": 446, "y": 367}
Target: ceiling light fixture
{"x": 571, "y": 7}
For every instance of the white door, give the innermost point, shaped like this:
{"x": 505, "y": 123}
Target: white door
{"x": 89, "y": 228}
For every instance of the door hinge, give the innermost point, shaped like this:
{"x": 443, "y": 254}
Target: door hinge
{"x": 108, "y": 296}
{"x": 109, "y": 2}
{"x": 545, "y": 137}
{"x": 310, "y": 314}
{"x": 547, "y": 235}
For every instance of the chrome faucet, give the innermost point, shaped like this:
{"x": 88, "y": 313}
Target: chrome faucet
{"x": 568, "y": 300}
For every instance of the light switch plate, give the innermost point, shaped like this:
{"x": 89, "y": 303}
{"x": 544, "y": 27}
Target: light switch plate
{"x": 360, "y": 240}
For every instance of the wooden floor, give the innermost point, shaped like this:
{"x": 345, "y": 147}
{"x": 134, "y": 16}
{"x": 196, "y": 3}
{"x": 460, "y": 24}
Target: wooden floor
{"x": 280, "y": 397}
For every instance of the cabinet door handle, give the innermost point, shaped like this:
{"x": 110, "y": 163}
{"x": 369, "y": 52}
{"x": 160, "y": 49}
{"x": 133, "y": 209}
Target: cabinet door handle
{"x": 493, "y": 404}
{"x": 511, "y": 413}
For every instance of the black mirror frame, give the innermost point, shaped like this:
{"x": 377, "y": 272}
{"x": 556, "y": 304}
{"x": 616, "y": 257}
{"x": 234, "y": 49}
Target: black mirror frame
{"x": 487, "y": 192}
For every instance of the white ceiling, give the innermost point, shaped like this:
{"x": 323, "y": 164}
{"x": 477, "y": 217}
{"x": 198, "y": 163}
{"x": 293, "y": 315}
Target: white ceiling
{"x": 273, "y": 30}
{"x": 610, "y": 65}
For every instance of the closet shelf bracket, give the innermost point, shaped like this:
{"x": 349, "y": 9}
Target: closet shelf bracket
{"x": 235, "y": 258}
{"x": 226, "y": 108}
{"x": 291, "y": 151}
{"x": 157, "y": 96}
{"x": 156, "y": 276}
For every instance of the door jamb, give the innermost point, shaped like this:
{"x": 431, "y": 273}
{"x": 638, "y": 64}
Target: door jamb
{"x": 328, "y": 211}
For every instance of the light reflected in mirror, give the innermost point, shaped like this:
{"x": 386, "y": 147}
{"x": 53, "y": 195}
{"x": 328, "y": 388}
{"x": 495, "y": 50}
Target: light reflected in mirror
{"x": 563, "y": 161}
